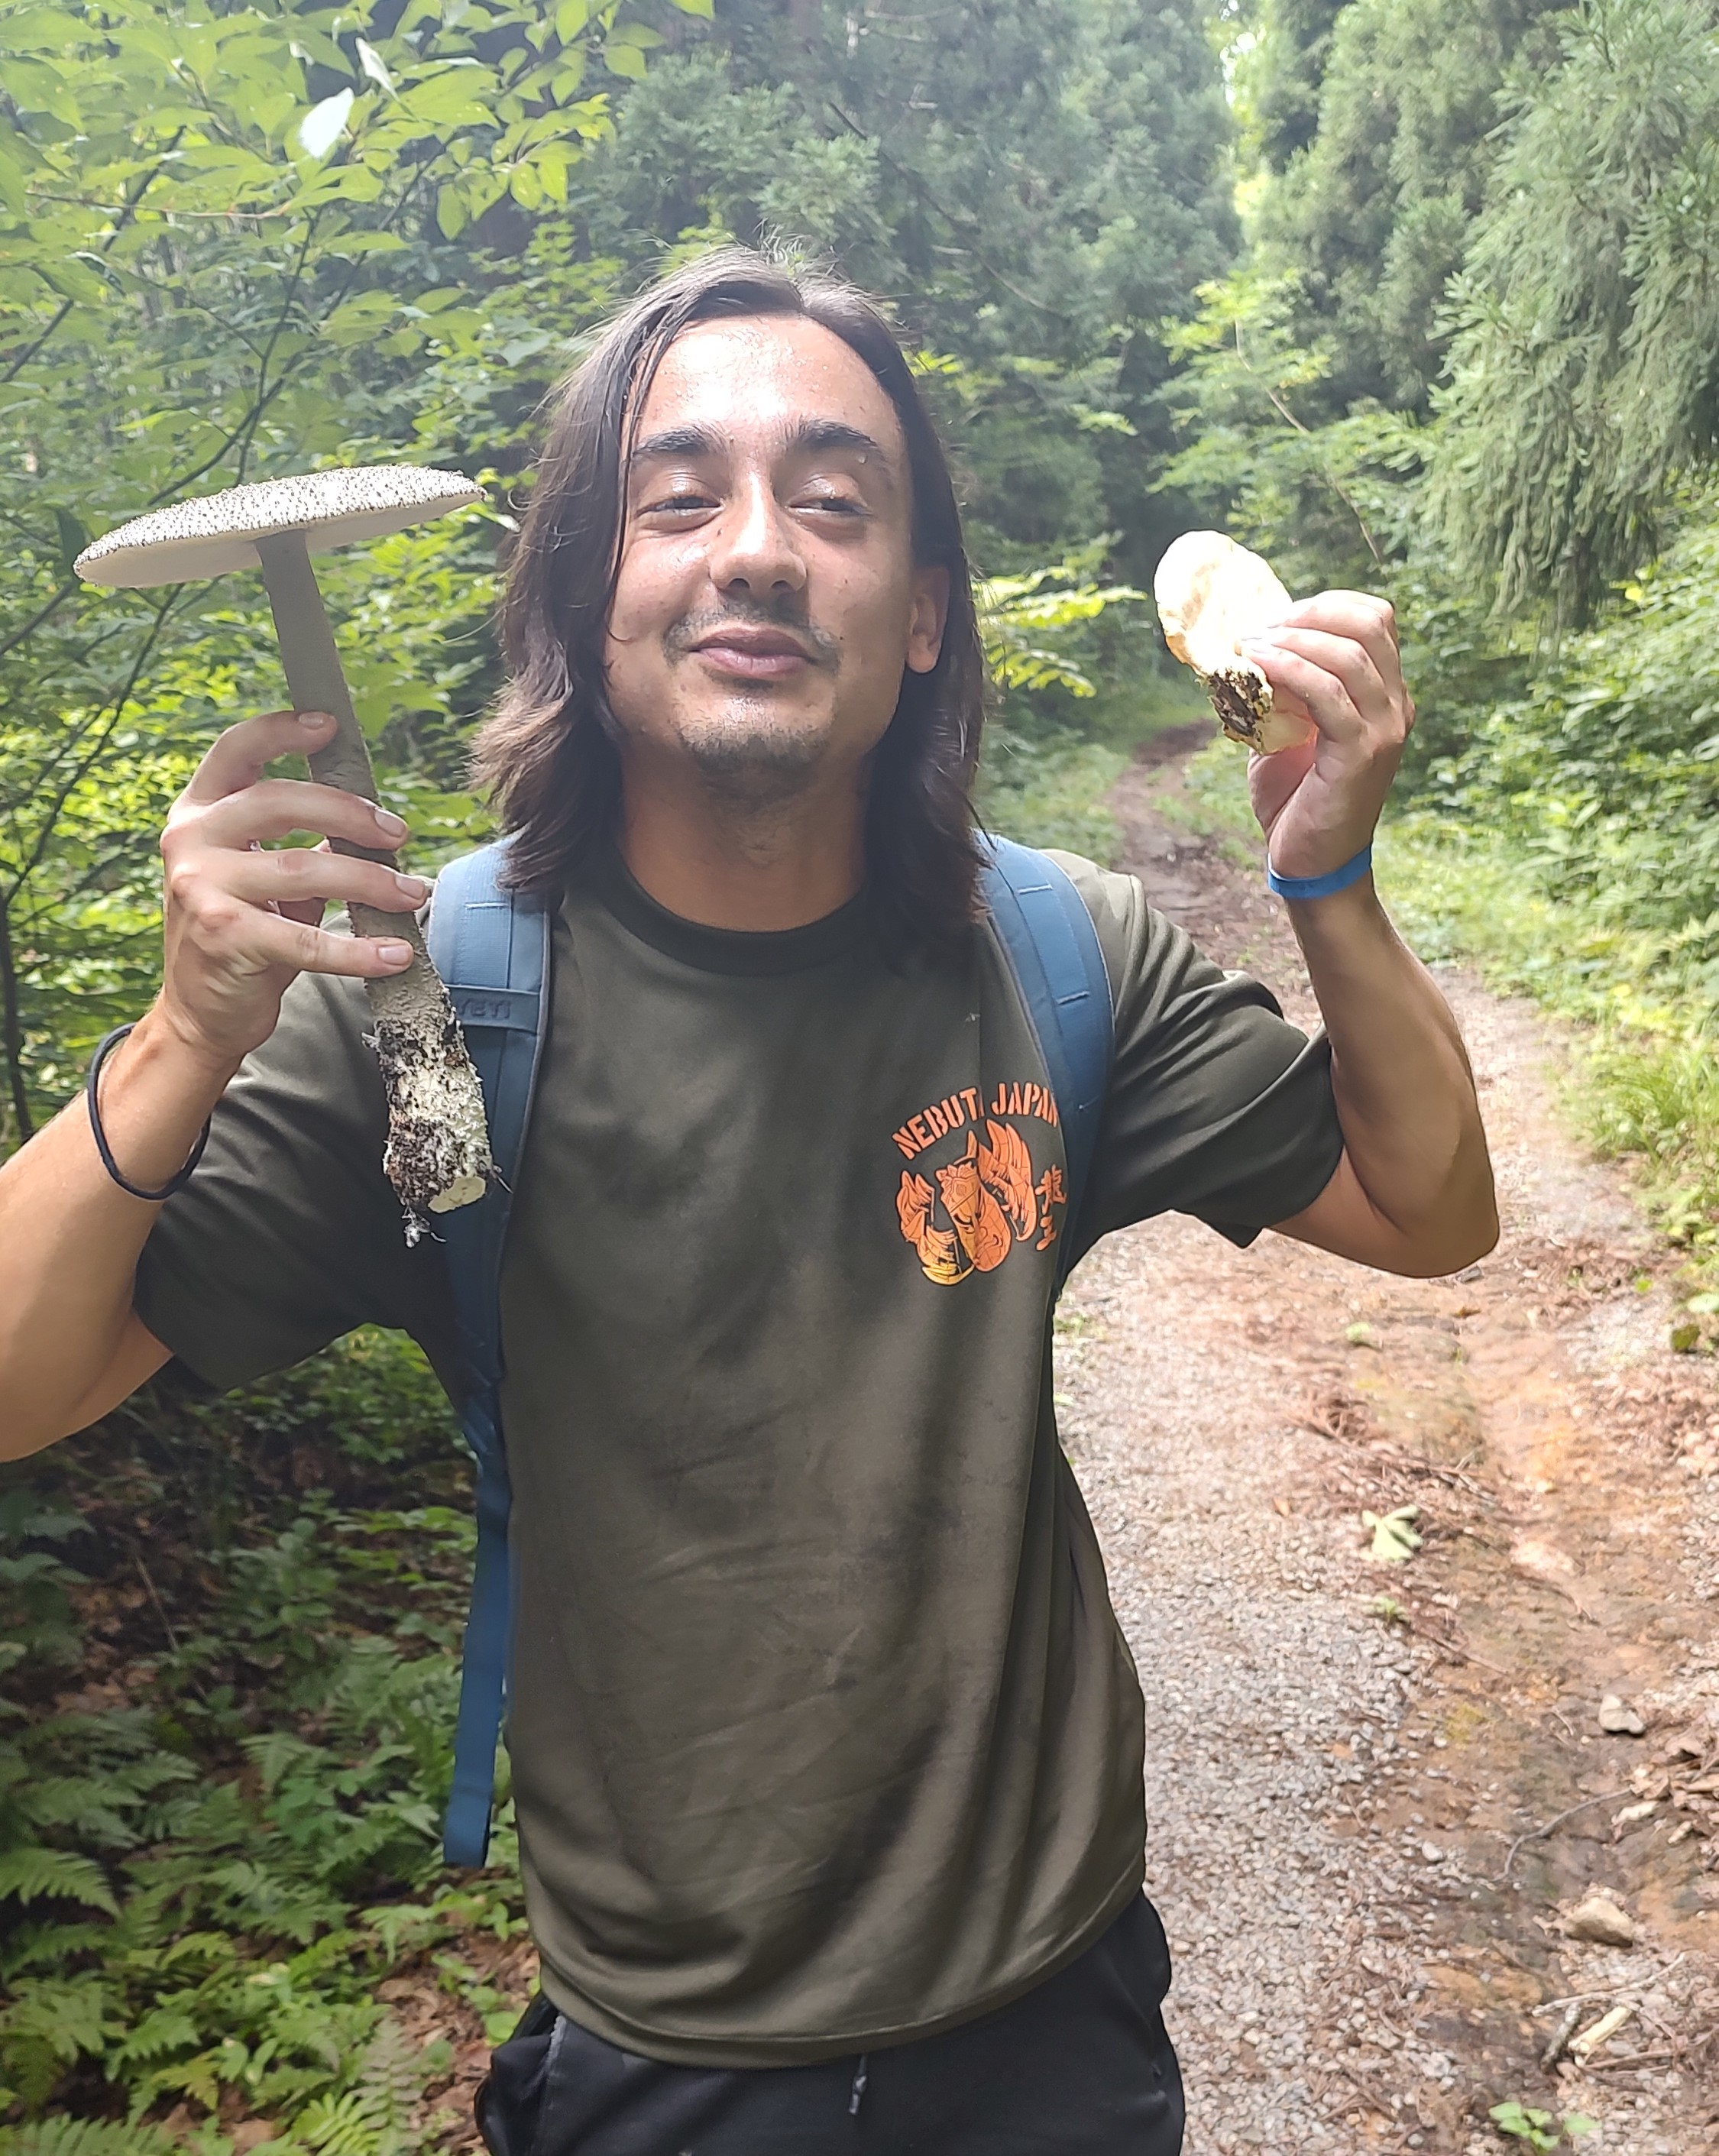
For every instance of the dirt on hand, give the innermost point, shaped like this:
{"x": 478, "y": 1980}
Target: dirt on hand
{"x": 1381, "y": 1791}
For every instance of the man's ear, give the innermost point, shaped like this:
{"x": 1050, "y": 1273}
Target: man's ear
{"x": 929, "y": 616}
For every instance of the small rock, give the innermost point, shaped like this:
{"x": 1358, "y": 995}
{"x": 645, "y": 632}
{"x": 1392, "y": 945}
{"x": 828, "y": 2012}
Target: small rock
{"x": 1632, "y": 1815}
{"x": 1544, "y": 1559}
{"x": 1600, "y": 1918}
{"x": 1618, "y": 1718}
{"x": 1432, "y": 1852}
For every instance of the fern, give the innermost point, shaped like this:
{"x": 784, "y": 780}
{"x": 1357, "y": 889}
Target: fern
{"x": 375, "y": 2117}
{"x": 85, "y": 2137}
{"x": 199, "y": 1893}
{"x": 36, "y": 1875}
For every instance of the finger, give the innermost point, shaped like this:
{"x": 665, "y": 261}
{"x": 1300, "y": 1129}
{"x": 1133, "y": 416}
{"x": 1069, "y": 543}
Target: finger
{"x": 1322, "y": 696}
{"x": 1370, "y": 621}
{"x": 277, "y": 807}
{"x": 242, "y": 752}
{"x": 296, "y": 874}
{"x": 1349, "y": 660}
{"x": 233, "y": 934}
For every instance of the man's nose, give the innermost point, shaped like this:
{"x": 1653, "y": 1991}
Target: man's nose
{"x": 756, "y": 549}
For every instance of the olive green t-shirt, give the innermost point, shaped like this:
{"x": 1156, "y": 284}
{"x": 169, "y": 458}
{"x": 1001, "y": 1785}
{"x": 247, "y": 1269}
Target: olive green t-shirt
{"x": 823, "y": 1732}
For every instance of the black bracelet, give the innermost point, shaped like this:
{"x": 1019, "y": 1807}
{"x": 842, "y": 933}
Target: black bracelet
{"x": 108, "y": 1042}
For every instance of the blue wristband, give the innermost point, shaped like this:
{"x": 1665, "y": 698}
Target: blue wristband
{"x": 1321, "y": 886}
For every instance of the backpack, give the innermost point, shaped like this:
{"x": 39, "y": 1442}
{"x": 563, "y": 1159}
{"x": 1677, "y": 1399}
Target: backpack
{"x": 491, "y": 947}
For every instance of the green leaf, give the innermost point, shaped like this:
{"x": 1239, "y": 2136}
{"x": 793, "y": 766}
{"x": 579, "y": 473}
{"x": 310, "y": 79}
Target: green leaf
{"x": 374, "y": 67}
{"x": 1394, "y": 1540}
{"x": 73, "y": 538}
{"x": 45, "y": 1875}
{"x": 624, "y": 61}
{"x": 703, "y": 9}
{"x": 324, "y": 124}
{"x": 85, "y": 2137}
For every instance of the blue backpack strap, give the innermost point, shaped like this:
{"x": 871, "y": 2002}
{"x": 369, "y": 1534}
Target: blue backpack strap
{"x": 492, "y": 949}
{"x": 1060, "y": 968}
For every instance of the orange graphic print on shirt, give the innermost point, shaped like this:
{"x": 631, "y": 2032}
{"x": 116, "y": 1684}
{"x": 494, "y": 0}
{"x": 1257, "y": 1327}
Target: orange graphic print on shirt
{"x": 977, "y": 1207}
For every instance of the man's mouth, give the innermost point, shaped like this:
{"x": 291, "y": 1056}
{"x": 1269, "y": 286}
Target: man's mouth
{"x": 754, "y": 653}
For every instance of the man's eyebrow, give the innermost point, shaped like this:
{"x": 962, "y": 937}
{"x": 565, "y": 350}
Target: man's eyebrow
{"x": 835, "y": 434}
{"x": 807, "y": 434}
{"x": 676, "y": 442}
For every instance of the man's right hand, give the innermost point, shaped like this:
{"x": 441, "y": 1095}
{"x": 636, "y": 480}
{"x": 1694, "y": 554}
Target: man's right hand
{"x": 239, "y": 921}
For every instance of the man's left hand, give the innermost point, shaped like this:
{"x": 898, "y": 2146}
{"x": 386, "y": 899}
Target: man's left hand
{"x": 1332, "y": 660}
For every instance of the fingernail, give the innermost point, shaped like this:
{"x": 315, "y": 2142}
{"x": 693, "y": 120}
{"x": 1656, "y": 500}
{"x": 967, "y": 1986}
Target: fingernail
{"x": 1257, "y": 647}
{"x": 413, "y": 887}
{"x": 394, "y": 954}
{"x": 318, "y": 720}
{"x": 388, "y": 821}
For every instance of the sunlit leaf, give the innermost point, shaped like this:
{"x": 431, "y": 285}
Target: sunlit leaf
{"x": 324, "y": 124}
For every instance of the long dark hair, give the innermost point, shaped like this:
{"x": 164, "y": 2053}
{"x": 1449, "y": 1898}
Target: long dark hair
{"x": 548, "y": 756}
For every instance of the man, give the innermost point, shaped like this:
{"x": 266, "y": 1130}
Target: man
{"x": 826, "y": 1748}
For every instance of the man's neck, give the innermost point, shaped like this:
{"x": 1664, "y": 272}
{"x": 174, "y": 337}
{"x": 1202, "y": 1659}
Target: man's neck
{"x": 728, "y": 864}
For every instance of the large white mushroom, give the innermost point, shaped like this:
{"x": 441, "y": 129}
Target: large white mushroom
{"x": 438, "y": 1152}
{"x": 1212, "y": 594}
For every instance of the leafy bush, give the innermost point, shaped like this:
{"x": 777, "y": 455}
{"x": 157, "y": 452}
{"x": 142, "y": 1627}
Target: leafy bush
{"x": 211, "y": 1854}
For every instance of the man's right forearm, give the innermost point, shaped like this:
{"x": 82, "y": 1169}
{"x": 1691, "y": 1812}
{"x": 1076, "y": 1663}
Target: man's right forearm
{"x": 70, "y": 1237}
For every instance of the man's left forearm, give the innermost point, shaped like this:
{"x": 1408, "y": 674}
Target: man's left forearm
{"x": 1415, "y": 1151}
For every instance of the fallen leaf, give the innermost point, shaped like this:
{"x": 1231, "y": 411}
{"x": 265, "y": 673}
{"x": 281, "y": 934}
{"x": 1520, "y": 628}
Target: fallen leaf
{"x": 1394, "y": 1540}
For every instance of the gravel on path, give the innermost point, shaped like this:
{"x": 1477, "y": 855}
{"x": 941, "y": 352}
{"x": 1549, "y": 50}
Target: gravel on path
{"x": 1341, "y": 1755}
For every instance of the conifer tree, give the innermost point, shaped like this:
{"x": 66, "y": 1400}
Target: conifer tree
{"x": 1374, "y": 213}
{"x": 1585, "y": 368}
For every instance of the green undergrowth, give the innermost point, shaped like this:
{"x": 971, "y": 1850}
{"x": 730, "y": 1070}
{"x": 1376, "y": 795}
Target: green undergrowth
{"x": 1643, "y": 1084}
{"x": 230, "y": 1638}
{"x": 1046, "y": 776}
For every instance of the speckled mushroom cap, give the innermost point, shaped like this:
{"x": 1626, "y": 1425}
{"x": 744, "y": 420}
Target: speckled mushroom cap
{"x": 215, "y": 532}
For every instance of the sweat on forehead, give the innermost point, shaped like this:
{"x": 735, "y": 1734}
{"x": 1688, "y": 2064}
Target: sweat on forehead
{"x": 781, "y": 380}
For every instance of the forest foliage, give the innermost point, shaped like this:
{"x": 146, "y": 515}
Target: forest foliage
{"x": 1416, "y": 295}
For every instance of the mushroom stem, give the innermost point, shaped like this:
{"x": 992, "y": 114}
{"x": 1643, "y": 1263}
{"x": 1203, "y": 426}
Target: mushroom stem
{"x": 315, "y": 678}
{"x": 438, "y": 1152}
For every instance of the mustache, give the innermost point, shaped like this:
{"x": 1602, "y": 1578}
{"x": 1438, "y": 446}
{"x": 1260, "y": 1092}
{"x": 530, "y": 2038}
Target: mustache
{"x": 692, "y": 629}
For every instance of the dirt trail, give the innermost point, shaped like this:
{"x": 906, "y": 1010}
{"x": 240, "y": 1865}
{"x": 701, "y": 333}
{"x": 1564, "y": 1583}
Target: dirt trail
{"x": 1349, "y": 1802}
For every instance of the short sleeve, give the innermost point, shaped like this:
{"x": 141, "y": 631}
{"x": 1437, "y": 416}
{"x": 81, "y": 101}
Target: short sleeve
{"x": 1218, "y": 1105}
{"x": 289, "y": 1235}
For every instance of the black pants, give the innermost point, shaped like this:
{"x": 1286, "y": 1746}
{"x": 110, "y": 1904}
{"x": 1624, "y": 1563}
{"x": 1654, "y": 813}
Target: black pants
{"x": 1079, "y": 2066}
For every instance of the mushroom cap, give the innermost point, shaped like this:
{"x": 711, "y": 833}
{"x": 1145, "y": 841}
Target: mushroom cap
{"x": 1212, "y": 594}
{"x": 214, "y": 532}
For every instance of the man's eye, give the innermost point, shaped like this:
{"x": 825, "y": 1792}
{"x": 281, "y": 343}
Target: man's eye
{"x": 843, "y": 505}
{"x": 678, "y": 504}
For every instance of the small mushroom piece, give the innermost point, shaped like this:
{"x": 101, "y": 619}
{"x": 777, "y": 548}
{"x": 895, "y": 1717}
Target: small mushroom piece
{"x": 438, "y": 1152}
{"x": 1211, "y": 595}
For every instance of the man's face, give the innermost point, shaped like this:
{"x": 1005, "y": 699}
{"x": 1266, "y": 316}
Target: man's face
{"x": 768, "y": 600}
